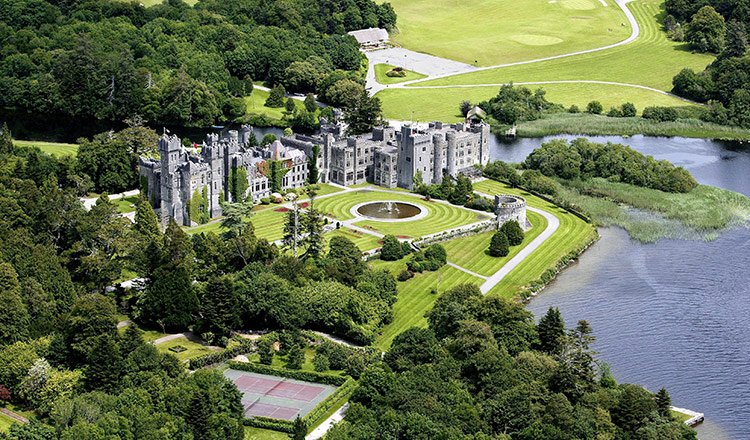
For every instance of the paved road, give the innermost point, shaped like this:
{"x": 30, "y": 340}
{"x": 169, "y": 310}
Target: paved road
{"x": 430, "y": 65}
{"x": 321, "y": 430}
{"x": 552, "y": 224}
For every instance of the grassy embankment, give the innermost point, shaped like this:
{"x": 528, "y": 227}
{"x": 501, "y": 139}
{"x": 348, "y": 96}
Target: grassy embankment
{"x": 566, "y": 123}
{"x": 659, "y": 57}
{"x": 572, "y": 234}
{"x": 471, "y": 252}
{"x": 417, "y": 295}
{"x": 256, "y": 105}
{"x": 494, "y": 31}
{"x": 440, "y": 216}
{"x": 382, "y": 78}
{"x": 53, "y": 148}
{"x": 699, "y": 214}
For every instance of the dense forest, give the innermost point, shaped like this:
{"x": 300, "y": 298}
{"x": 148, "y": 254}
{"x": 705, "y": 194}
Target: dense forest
{"x": 722, "y": 28}
{"x": 172, "y": 63}
{"x": 484, "y": 370}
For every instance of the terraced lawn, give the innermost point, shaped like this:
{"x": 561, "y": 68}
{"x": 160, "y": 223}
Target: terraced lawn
{"x": 471, "y": 252}
{"x": 53, "y": 148}
{"x": 382, "y": 69}
{"x": 442, "y": 104}
{"x": 416, "y": 297}
{"x": 572, "y": 234}
{"x": 364, "y": 242}
{"x": 488, "y": 32}
{"x": 256, "y": 103}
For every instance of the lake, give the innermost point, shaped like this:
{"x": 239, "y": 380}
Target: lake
{"x": 675, "y": 313}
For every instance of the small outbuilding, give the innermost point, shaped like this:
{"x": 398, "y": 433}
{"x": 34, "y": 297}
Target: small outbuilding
{"x": 371, "y": 38}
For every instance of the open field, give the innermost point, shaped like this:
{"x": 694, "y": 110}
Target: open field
{"x": 441, "y": 104}
{"x": 471, "y": 252}
{"x": 194, "y": 349}
{"x": 53, "y": 148}
{"x": 382, "y": 69}
{"x": 497, "y": 31}
{"x": 415, "y": 296}
{"x": 572, "y": 234}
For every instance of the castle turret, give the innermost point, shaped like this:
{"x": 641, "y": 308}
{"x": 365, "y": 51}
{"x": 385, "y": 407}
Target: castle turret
{"x": 451, "y": 152}
{"x": 170, "y": 151}
{"x": 439, "y": 145}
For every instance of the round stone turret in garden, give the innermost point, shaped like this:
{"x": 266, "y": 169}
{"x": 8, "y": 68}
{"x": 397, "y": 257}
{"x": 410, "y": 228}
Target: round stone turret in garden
{"x": 510, "y": 207}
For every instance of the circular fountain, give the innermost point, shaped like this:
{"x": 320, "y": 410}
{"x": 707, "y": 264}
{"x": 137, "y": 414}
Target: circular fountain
{"x": 389, "y": 211}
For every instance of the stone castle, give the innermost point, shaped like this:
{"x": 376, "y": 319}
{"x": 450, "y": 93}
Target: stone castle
{"x": 385, "y": 157}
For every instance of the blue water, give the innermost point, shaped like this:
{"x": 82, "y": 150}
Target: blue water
{"x": 675, "y": 313}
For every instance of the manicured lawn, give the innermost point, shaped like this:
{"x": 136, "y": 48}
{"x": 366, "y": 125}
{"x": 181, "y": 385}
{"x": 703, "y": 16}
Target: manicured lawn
{"x": 382, "y": 69}
{"x": 441, "y": 216}
{"x": 364, "y": 242}
{"x": 496, "y": 31}
{"x": 194, "y": 349}
{"x": 325, "y": 189}
{"x": 471, "y": 252}
{"x": 680, "y": 417}
{"x": 572, "y": 234}
{"x": 5, "y": 423}
{"x": 442, "y": 104}
{"x": 264, "y": 434}
{"x": 268, "y": 223}
{"x": 126, "y": 204}
{"x": 651, "y": 60}
{"x": 657, "y": 59}
{"x": 256, "y": 103}
{"x": 53, "y": 148}
{"x": 415, "y": 296}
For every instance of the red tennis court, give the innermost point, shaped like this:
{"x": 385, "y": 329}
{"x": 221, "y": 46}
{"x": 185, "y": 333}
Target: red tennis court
{"x": 277, "y": 397}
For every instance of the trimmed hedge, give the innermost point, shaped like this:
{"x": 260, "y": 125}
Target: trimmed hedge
{"x": 269, "y": 423}
{"x": 329, "y": 402}
{"x": 307, "y": 376}
{"x": 244, "y": 346}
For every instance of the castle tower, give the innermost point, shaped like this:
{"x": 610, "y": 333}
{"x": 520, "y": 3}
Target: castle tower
{"x": 406, "y": 158}
{"x": 451, "y": 151}
{"x": 213, "y": 155}
{"x": 170, "y": 151}
{"x": 439, "y": 145}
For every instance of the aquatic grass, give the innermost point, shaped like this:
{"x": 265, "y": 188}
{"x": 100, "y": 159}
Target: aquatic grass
{"x": 649, "y": 214}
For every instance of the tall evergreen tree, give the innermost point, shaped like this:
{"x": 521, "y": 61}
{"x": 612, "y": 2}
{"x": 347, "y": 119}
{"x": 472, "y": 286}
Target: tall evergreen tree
{"x": 105, "y": 365}
{"x": 219, "y": 307}
{"x": 14, "y": 316}
{"x": 299, "y": 430}
{"x": 551, "y": 330}
{"x": 313, "y": 225}
{"x": 312, "y": 166}
{"x": 293, "y": 229}
{"x": 499, "y": 245}
{"x": 664, "y": 403}
{"x": 6, "y": 142}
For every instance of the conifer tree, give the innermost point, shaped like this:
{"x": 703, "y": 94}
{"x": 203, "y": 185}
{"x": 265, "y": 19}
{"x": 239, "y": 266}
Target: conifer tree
{"x": 293, "y": 229}
{"x": 6, "y": 142}
{"x": 265, "y": 351}
{"x": 295, "y": 358}
{"x": 313, "y": 224}
{"x": 219, "y": 307}
{"x": 299, "y": 430}
{"x": 664, "y": 403}
{"x": 499, "y": 245}
{"x": 312, "y": 166}
{"x": 14, "y": 316}
{"x": 105, "y": 365}
{"x": 551, "y": 330}
{"x": 513, "y": 232}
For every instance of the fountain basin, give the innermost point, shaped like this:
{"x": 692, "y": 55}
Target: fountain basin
{"x": 389, "y": 211}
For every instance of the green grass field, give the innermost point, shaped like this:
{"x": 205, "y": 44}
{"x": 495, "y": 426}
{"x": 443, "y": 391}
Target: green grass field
{"x": 382, "y": 69}
{"x": 256, "y": 103}
{"x": 5, "y": 423}
{"x": 53, "y": 148}
{"x": 572, "y": 234}
{"x": 491, "y": 32}
{"x": 268, "y": 223}
{"x": 415, "y": 296}
{"x": 126, "y": 204}
{"x": 194, "y": 349}
{"x": 264, "y": 434}
{"x": 427, "y": 104}
{"x": 471, "y": 252}
{"x": 651, "y": 60}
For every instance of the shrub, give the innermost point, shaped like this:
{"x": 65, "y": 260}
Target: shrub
{"x": 594, "y": 107}
{"x": 513, "y": 232}
{"x": 499, "y": 245}
{"x": 405, "y": 275}
{"x": 614, "y": 112}
{"x": 628, "y": 110}
{"x": 321, "y": 362}
{"x": 245, "y": 346}
{"x": 396, "y": 73}
{"x": 295, "y": 358}
{"x": 265, "y": 351}
{"x": 660, "y": 114}
{"x": 431, "y": 259}
{"x": 392, "y": 249}
{"x": 574, "y": 109}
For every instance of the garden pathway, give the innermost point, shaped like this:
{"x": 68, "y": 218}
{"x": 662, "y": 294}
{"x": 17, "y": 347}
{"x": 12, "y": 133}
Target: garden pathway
{"x": 462, "y": 269}
{"x": 327, "y": 424}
